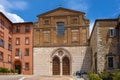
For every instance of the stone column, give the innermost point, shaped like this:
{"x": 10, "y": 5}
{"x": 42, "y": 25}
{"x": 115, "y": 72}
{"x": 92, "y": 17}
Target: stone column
{"x": 61, "y": 68}
{"x": 51, "y": 68}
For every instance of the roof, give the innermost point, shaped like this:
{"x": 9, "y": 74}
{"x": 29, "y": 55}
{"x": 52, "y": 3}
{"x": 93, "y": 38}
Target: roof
{"x": 24, "y": 23}
{"x": 60, "y": 8}
{"x": 112, "y": 19}
{"x": 5, "y": 17}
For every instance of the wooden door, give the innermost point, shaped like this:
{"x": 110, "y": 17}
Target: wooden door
{"x": 66, "y": 66}
{"x": 17, "y": 66}
{"x": 56, "y": 66}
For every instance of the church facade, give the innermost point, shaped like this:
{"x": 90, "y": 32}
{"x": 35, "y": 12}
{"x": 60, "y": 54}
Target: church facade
{"x": 60, "y": 43}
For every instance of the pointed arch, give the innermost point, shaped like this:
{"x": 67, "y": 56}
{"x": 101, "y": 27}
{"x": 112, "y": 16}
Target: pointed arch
{"x": 61, "y": 62}
{"x": 56, "y": 65}
{"x": 65, "y": 51}
{"x": 65, "y": 65}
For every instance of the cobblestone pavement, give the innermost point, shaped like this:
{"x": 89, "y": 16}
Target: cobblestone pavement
{"x": 49, "y": 78}
{"x": 10, "y": 77}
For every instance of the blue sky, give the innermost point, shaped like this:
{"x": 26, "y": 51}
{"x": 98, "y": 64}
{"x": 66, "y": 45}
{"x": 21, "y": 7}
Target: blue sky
{"x": 27, "y": 10}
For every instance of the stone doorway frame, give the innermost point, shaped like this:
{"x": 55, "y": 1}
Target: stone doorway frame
{"x": 61, "y": 53}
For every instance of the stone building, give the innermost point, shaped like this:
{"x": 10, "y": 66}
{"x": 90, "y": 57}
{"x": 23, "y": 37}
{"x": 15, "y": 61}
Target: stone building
{"x": 60, "y": 43}
{"x": 16, "y": 45}
{"x": 104, "y": 45}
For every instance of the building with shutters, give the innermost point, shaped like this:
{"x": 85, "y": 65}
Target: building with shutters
{"x": 105, "y": 45}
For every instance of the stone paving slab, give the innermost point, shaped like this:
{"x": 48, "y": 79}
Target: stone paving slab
{"x": 48, "y": 78}
{"x": 10, "y": 77}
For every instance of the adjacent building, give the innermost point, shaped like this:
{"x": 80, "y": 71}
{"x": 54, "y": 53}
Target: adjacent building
{"x": 16, "y": 45}
{"x": 60, "y": 43}
{"x": 5, "y": 42}
{"x": 104, "y": 42}
{"x": 22, "y": 47}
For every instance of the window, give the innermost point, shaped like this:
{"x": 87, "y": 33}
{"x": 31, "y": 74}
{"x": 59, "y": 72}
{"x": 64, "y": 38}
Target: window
{"x": 10, "y": 29}
{"x": 17, "y": 41}
{"x": 26, "y": 66}
{"x": 46, "y": 36}
{"x": 17, "y": 52}
{"x": 10, "y": 47}
{"x": 60, "y": 28}
{"x": 18, "y": 29}
{"x": 2, "y": 24}
{"x": 26, "y": 52}
{"x": 27, "y": 29}
{"x": 9, "y": 58}
{"x": 112, "y": 32}
{"x": 27, "y": 40}
{"x": 1, "y": 43}
{"x": 1, "y": 56}
{"x": 110, "y": 62}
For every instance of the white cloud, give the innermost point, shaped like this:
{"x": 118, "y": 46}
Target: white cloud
{"x": 7, "y": 5}
{"x": 13, "y": 4}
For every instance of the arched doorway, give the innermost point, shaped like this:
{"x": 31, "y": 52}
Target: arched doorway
{"x": 61, "y": 62}
{"x": 17, "y": 66}
{"x": 56, "y": 66}
{"x": 66, "y": 66}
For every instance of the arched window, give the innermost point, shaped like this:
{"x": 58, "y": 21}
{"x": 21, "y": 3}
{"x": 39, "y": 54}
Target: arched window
{"x": 56, "y": 66}
{"x": 66, "y": 66}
